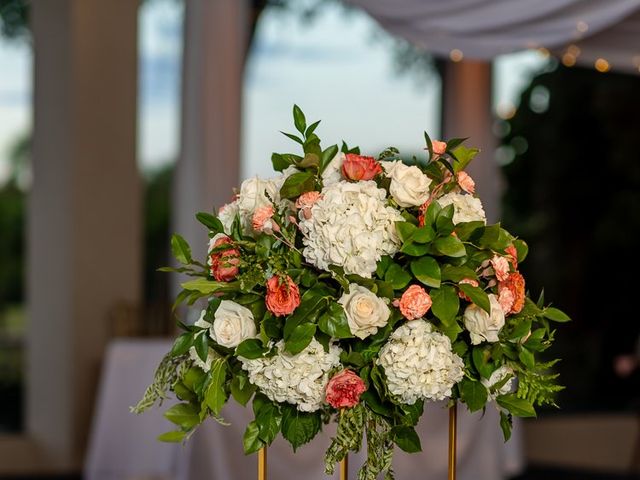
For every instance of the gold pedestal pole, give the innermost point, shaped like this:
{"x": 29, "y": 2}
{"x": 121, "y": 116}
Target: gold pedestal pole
{"x": 344, "y": 468}
{"x": 262, "y": 463}
{"x": 453, "y": 420}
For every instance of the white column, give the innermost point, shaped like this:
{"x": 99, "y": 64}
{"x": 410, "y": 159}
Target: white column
{"x": 467, "y": 113}
{"x": 216, "y": 33}
{"x": 84, "y": 217}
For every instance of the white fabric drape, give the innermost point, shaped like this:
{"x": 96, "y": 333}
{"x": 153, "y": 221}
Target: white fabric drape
{"x": 482, "y": 29}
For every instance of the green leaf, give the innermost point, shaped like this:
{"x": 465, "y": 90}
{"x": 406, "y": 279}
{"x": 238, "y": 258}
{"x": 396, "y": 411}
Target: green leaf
{"x": 527, "y": 358}
{"x": 251, "y": 348}
{"x": 465, "y": 230}
{"x": 300, "y": 338}
{"x": 215, "y": 396}
{"x": 463, "y": 156}
{"x": 310, "y": 160}
{"x": 414, "y": 249}
{"x": 182, "y": 344}
{"x": 431, "y": 214}
{"x": 202, "y": 346}
{"x": 214, "y": 224}
{"x": 429, "y": 143}
{"x": 268, "y": 419}
{"x": 405, "y": 230}
{"x": 298, "y": 427}
{"x": 406, "y": 438}
{"x": 522, "y": 248}
{"x": 516, "y": 406}
{"x": 280, "y": 162}
{"x": 505, "y": 425}
{"x": 297, "y": 184}
{"x": 334, "y": 322}
{"x": 480, "y": 356}
{"x": 397, "y": 277}
{"x": 477, "y": 296}
{"x": 251, "y": 442}
{"x": 299, "y": 120}
{"x": 383, "y": 265}
{"x": 424, "y": 234}
{"x": 427, "y": 270}
{"x": 183, "y": 414}
{"x": 205, "y": 286}
{"x": 328, "y": 154}
{"x": 180, "y": 249}
{"x": 293, "y": 137}
{"x": 556, "y": 315}
{"x": 450, "y": 246}
{"x": 311, "y": 128}
{"x": 522, "y": 328}
{"x": 446, "y": 304}
{"x": 454, "y": 273}
{"x": 473, "y": 393}
{"x": 172, "y": 437}
{"x": 242, "y": 389}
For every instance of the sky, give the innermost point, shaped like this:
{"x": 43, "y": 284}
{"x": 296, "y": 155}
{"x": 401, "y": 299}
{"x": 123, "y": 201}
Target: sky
{"x": 339, "y": 68}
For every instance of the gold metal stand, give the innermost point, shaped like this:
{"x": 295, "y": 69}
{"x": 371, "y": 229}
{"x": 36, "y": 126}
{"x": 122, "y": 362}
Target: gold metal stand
{"x": 453, "y": 420}
{"x": 344, "y": 468}
{"x": 262, "y": 463}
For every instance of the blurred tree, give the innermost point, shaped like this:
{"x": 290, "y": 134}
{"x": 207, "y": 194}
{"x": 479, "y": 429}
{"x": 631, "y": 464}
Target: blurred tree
{"x": 573, "y": 193}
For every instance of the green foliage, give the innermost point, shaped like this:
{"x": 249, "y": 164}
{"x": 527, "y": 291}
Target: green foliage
{"x": 539, "y": 386}
{"x": 171, "y": 368}
{"x": 351, "y": 423}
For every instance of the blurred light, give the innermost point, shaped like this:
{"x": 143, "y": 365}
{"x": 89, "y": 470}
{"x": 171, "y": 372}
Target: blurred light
{"x": 506, "y": 110}
{"x": 539, "y": 99}
{"x": 501, "y": 128}
{"x": 573, "y": 50}
{"x": 519, "y": 144}
{"x": 568, "y": 59}
{"x": 456, "y": 55}
{"x": 582, "y": 27}
{"x": 505, "y": 154}
{"x": 602, "y": 65}
{"x": 544, "y": 52}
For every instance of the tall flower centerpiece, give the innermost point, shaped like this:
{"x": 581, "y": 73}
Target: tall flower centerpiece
{"x": 355, "y": 288}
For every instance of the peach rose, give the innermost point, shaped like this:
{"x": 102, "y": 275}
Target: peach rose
{"x": 467, "y": 281}
{"x": 356, "y": 167}
{"x": 500, "y": 267}
{"x": 515, "y": 285}
{"x": 306, "y": 201}
{"x": 283, "y": 295}
{"x": 414, "y": 303}
{"x": 262, "y": 220}
{"x": 439, "y": 147}
{"x": 466, "y": 183}
{"x": 223, "y": 262}
{"x": 344, "y": 389}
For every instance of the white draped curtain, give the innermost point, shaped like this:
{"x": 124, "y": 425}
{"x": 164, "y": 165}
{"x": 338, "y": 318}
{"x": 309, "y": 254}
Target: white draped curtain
{"x": 481, "y": 29}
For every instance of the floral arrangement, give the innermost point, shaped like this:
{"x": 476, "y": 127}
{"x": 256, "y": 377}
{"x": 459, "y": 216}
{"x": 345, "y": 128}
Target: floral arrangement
{"x": 356, "y": 289}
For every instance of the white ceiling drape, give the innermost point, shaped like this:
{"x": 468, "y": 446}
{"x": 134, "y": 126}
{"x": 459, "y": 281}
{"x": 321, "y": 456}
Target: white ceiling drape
{"x": 481, "y": 29}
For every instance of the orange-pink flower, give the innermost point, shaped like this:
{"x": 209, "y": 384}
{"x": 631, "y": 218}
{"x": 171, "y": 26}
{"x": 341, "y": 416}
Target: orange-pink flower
{"x": 515, "y": 285}
{"x": 306, "y": 201}
{"x": 283, "y": 295}
{"x": 344, "y": 389}
{"x": 356, "y": 167}
{"x": 262, "y": 220}
{"x": 500, "y": 267}
{"x": 224, "y": 263}
{"x": 513, "y": 255}
{"x": 439, "y": 148}
{"x": 465, "y": 182}
{"x": 414, "y": 303}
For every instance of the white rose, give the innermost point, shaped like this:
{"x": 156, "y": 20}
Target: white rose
{"x": 255, "y": 193}
{"x": 232, "y": 324}
{"x": 366, "y": 312}
{"x": 496, "y": 377}
{"x": 227, "y": 214}
{"x": 482, "y": 325}
{"x": 466, "y": 208}
{"x": 409, "y": 186}
{"x": 333, "y": 171}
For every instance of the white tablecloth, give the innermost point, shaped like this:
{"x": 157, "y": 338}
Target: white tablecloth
{"x": 123, "y": 446}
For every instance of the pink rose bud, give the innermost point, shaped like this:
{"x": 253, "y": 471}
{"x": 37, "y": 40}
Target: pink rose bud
{"x": 513, "y": 255}
{"x": 467, "y": 281}
{"x": 262, "y": 220}
{"x": 500, "y": 267}
{"x": 224, "y": 263}
{"x": 344, "y": 389}
{"x": 414, "y": 303}
{"x": 283, "y": 297}
{"x": 439, "y": 147}
{"x": 356, "y": 167}
{"x": 466, "y": 183}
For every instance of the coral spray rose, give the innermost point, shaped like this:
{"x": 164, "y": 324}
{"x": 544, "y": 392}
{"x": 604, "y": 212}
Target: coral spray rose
{"x": 262, "y": 220}
{"x": 465, "y": 182}
{"x": 283, "y": 295}
{"x": 512, "y": 255}
{"x": 414, "y": 303}
{"x": 501, "y": 267}
{"x": 344, "y": 389}
{"x": 357, "y": 167}
{"x": 512, "y": 288}
{"x": 439, "y": 148}
{"x": 223, "y": 262}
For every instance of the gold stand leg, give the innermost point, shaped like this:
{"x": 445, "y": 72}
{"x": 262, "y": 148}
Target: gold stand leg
{"x": 262, "y": 463}
{"x": 344, "y": 468}
{"x": 453, "y": 420}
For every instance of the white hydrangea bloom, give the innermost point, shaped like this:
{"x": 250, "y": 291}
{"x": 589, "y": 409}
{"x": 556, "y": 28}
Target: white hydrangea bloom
{"x": 351, "y": 226}
{"x": 496, "y": 377}
{"x": 206, "y": 366}
{"x": 419, "y": 363}
{"x": 298, "y": 379}
{"x": 466, "y": 208}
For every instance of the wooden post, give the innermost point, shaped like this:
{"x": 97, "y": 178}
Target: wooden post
{"x": 344, "y": 468}
{"x": 453, "y": 420}
{"x": 262, "y": 463}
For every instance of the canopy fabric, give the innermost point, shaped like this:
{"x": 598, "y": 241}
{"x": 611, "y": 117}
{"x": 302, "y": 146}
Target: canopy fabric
{"x": 483, "y": 29}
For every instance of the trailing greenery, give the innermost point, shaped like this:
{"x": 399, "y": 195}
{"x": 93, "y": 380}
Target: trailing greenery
{"x": 171, "y": 369}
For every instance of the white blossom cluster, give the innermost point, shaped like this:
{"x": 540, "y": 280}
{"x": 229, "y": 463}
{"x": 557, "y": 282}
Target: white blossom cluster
{"x": 466, "y": 208}
{"x": 298, "y": 379}
{"x": 418, "y": 363}
{"x": 351, "y": 226}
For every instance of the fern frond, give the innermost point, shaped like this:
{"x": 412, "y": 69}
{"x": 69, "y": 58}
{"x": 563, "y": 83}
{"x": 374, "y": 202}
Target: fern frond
{"x": 348, "y": 437}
